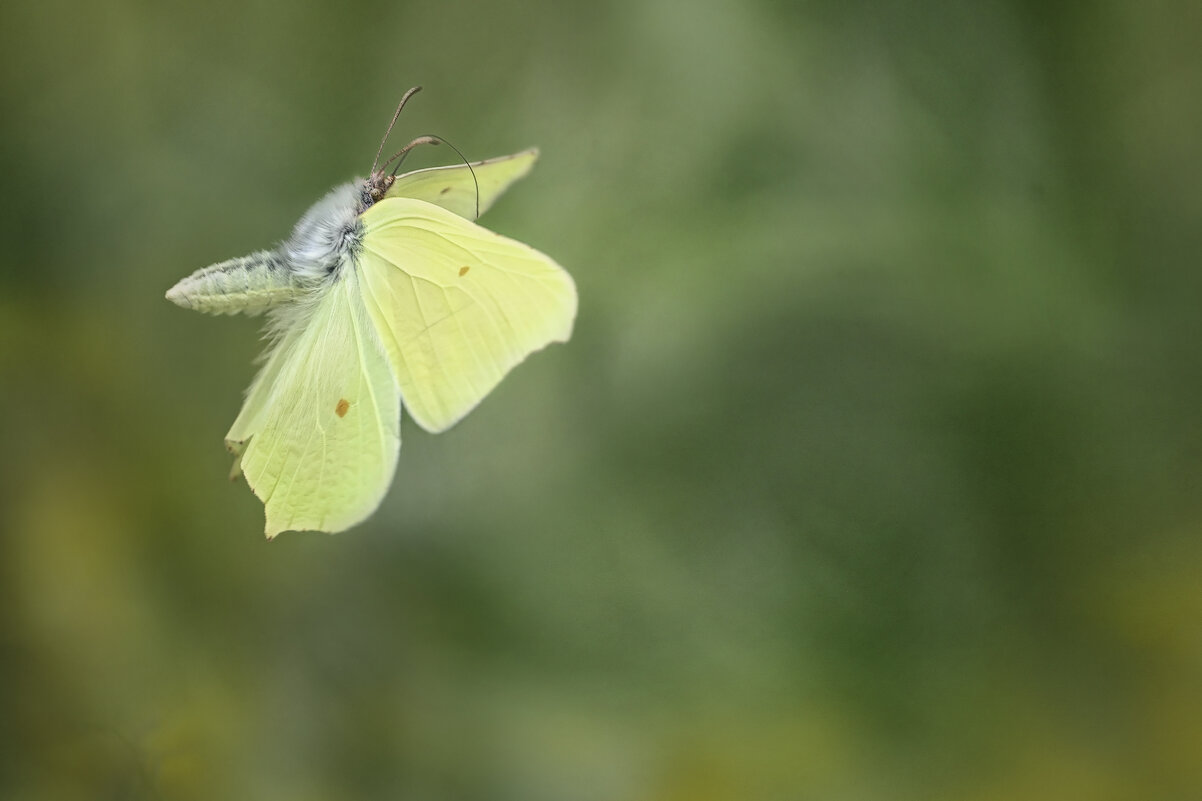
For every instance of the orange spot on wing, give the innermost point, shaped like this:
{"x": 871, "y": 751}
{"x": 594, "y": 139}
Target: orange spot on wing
{"x": 342, "y": 407}
{"x": 463, "y": 270}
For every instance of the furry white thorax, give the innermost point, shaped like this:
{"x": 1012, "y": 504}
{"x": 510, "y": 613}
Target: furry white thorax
{"x": 328, "y": 234}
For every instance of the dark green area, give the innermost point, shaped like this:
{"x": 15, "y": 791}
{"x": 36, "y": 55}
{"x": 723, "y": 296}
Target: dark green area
{"x": 871, "y": 471}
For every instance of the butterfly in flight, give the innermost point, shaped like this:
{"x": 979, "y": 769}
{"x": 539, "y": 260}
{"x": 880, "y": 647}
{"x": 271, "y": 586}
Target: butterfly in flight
{"x": 387, "y": 293}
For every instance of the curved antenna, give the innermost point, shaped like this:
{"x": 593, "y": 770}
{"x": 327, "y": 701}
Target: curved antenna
{"x": 401, "y": 105}
{"x": 430, "y": 139}
{"x": 404, "y": 151}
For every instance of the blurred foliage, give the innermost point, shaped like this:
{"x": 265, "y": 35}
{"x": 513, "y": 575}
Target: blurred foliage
{"x": 871, "y": 471}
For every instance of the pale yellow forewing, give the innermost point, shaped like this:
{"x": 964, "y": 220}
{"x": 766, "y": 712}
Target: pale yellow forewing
{"x": 454, "y": 189}
{"x": 320, "y": 429}
{"x": 455, "y": 305}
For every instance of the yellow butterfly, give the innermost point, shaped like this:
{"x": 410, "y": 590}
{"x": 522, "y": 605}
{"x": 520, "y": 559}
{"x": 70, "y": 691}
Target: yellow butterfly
{"x": 387, "y": 293}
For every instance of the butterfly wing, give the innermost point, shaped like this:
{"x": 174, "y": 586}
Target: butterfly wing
{"x": 320, "y": 430}
{"x": 455, "y": 305}
{"x": 454, "y": 188}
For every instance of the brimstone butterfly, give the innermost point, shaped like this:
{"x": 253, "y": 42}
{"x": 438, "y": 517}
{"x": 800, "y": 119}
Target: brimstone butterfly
{"x": 386, "y": 294}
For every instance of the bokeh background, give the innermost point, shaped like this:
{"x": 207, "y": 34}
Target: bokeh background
{"x": 871, "y": 472}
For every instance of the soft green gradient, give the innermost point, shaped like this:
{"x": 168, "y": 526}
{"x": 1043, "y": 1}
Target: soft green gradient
{"x": 872, "y": 470}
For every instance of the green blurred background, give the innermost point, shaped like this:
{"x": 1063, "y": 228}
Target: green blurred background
{"x": 871, "y": 471}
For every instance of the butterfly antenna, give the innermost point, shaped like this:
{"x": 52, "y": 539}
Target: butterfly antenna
{"x": 401, "y": 105}
{"x": 434, "y": 140}
{"x": 404, "y": 151}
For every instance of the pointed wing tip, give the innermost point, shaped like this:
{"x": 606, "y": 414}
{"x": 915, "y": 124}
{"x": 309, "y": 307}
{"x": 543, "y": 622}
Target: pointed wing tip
{"x": 271, "y": 529}
{"x": 271, "y": 526}
{"x": 530, "y": 154}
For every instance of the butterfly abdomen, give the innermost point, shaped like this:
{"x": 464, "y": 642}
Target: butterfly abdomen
{"x": 248, "y": 284}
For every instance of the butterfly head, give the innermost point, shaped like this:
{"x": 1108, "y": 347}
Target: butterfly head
{"x": 375, "y": 187}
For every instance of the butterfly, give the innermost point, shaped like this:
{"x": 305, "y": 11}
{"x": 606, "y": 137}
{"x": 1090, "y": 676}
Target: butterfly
{"x": 387, "y": 294}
